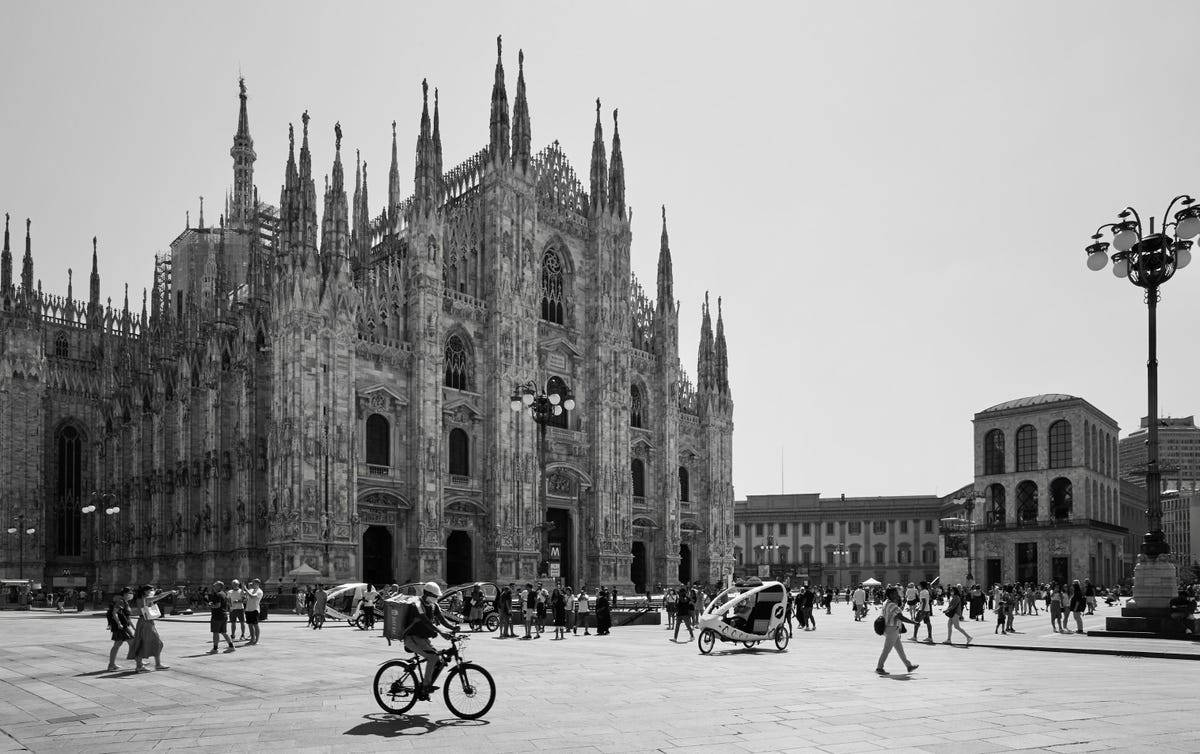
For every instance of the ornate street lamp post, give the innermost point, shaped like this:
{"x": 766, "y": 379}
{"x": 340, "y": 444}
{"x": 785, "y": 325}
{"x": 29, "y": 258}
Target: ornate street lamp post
{"x": 967, "y": 526}
{"x": 543, "y": 407}
{"x": 1149, "y": 258}
{"x": 765, "y": 550}
{"x": 104, "y": 498}
{"x": 21, "y": 533}
{"x": 840, "y": 552}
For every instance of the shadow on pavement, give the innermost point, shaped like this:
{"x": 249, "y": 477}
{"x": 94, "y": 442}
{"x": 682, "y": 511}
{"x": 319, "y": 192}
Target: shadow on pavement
{"x": 392, "y": 726}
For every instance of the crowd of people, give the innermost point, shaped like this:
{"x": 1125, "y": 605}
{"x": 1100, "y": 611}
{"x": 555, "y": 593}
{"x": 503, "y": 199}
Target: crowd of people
{"x": 233, "y": 609}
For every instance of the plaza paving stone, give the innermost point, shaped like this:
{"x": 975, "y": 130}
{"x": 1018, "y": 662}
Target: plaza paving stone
{"x": 302, "y": 690}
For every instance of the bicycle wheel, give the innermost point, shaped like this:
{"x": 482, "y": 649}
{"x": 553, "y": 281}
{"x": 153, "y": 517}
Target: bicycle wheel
{"x": 781, "y": 638}
{"x": 707, "y": 639}
{"x": 469, "y": 691}
{"x": 492, "y": 622}
{"x": 396, "y": 687}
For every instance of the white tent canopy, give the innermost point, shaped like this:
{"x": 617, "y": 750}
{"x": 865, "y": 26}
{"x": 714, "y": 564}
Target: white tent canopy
{"x": 304, "y": 572}
{"x": 871, "y": 582}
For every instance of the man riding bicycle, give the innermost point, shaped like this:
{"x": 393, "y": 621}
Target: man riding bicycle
{"x": 424, "y": 627}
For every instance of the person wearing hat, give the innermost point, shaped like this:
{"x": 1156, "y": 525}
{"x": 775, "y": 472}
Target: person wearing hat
{"x": 424, "y": 627}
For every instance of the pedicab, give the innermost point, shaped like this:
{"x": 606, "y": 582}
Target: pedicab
{"x": 491, "y": 618}
{"x": 749, "y": 612}
{"x": 343, "y": 603}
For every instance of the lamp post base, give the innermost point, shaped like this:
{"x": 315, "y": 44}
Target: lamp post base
{"x": 1154, "y": 583}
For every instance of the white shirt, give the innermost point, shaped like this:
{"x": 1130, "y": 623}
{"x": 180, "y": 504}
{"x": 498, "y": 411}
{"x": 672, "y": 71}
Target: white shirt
{"x": 924, "y": 597}
{"x": 254, "y": 598}
{"x": 910, "y": 594}
{"x": 237, "y": 599}
{"x": 860, "y": 596}
{"x": 582, "y": 604}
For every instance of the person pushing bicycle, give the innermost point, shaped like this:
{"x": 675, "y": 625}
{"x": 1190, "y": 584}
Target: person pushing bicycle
{"x": 424, "y": 627}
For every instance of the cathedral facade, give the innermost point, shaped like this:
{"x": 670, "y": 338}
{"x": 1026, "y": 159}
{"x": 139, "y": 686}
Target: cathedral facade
{"x": 334, "y": 392}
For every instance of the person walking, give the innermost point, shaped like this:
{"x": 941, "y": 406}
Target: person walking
{"x": 569, "y": 608}
{"x": 237, "y": 609}
{"x": 583, "y": 612}
{"x": 218, "y": 621}
{"x": 146, "y": 642}
{"x": 504, "y": 611}
{"x": 603, "y": 613}
{"x": 669, "y": 606}
{"x": 370, "y": 597}
{"x": 119, "y": 624}
{"x": 254, "y": 596}
{"x": 475, "y": 614}
{"x": 893, "y": 617}
{"x": 683, "y": 613}
{"x": 954, "y": 615}
{"x": 924, "y": 611}
{"x": 558, "y": 607}
{"x": 859, "y": 600}
{"x": 807, "y": 600}
{"x": 1089, "y": 596}
{"x": 320, "y": 598}
{"x": 529, "y": 608}
{"x": 1077, "y": 605}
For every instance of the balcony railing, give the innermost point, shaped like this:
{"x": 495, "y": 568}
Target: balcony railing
{"x": 375, "y": 472}
{"x": 1051, "y": 523}
{"x": 460, "y": 481}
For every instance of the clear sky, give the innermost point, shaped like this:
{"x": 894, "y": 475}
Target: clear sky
{"x": 891, "y": 198}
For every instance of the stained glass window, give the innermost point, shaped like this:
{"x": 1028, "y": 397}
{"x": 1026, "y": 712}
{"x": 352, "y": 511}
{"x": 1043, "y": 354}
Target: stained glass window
{"x": 552, "y": 287}
{"x": 457, "y": 372}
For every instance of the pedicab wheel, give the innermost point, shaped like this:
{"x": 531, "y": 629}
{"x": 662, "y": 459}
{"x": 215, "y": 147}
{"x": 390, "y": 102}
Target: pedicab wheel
{"x": 396, "y": 687}
{"x": 707, "y": 640}
{"x": 749, "y": 644}
{"x": 492, "y": 622}
{"x": 469, "y": 691}
{"x": 781, "y": 638}
{"x": 355, "y": 622}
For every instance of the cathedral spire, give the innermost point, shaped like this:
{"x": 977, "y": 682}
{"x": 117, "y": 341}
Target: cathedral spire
{"x": 335, "y": 236}
{"x": 364, "y": 219}
{"x": 437, "y": 138}
{"x": 425, "y": 177}
{"x": 93, "y": 308}
{"x": 721, "y": 355}
{"x": 145, "y": 318}
{"x": 393, "y": 180}
{"x": 156, "y": 288}
{"x": 242, "y": 152}
{"x": 666, "y": 286}
{"x": 520, "y": 126}
{"x": 498, "y": 144}
{"x": 27, "y": 262}
{"x": 288, "y": 213}
{"x": 616, "y": 174}
{"x": 356, "y": 227}
{"x": 704, "y": 360}
{"x": 599, "y": 164}
{"x": 6, "y": 260}
{"x": 308, "y": 193}
{"x": 70, "y": 286}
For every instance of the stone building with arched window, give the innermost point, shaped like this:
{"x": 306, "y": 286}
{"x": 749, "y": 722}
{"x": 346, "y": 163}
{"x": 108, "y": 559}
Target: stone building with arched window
{"x": 335, "y": 392}
{"x": 1047, "y": 481}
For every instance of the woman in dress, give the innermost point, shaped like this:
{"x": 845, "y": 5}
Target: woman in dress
{"x": 1054, "y": 604}
{"x": 954, "y": 615}
{"x": 146, "y": 642}
{"x": 1078, "y": 605}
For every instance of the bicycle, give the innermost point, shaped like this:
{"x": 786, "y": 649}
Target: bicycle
{"x": 469, "y": 690}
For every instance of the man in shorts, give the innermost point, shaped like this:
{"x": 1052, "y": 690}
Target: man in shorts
{"x": 218, "y": 602}
{"x": 543, "y": 598}
{"x": 254, "y": 597}
{"x": 529, "y": 609}
{"x": 237, "y": 609}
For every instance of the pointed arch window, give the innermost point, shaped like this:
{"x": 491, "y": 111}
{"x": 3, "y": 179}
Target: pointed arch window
{"x": 379, "y": 441}
{"x": 460, "y": 453}
{"x": 638, "y": 469}
{"x": 1060, "y": 444}
{"x": 635, "y": 406}
{"x": 1027, "y": 448}
{"x": 993, "y": 452}
{"x": 685, "y": 487}
{"x": 70, "y": 488}
{"x": 553, "y": 296}
{"x": 457, "y": 364}
{"x": 62, "y": 348}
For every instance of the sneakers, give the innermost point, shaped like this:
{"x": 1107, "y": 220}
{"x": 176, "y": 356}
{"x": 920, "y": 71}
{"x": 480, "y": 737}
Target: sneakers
{"x": 913, "y": 667}
{"x": 229, "y": 649}
{"x": 881, "y": 671}
{"x": 969, "y": 638}
{"x": 213, "y": 651}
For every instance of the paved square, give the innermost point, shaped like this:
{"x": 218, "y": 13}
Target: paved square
{"x": 302, "y": 690}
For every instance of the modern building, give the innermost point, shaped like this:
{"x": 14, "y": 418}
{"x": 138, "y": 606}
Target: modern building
{"x": 1181, "y": 524}
{"x": 838, "y": 541}
{"x": 1133, "y": 518}
{"x": 1047, "y": 472}
{"x": 1178, "y": 453}
{"x": 335, "y": 392}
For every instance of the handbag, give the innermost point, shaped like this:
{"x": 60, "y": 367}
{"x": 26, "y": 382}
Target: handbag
{"x": 880, "y": 625}
{"x": 153, "y": 612}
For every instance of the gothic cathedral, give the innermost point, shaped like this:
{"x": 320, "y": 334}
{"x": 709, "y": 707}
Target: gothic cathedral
{"x": 334, "y": 394}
